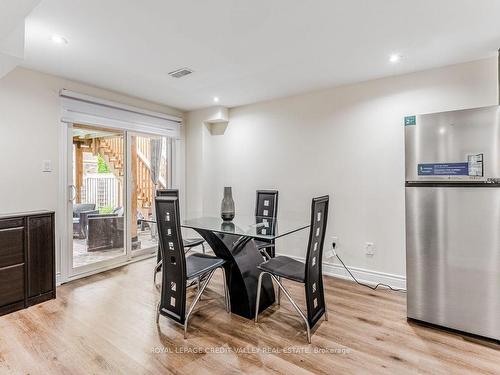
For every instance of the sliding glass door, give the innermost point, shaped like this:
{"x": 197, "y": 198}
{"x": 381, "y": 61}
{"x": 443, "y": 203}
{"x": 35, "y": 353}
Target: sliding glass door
{"x": 112, "y": 178}
{"x": 149, "y": 172}
{"x": 97, "y": 202}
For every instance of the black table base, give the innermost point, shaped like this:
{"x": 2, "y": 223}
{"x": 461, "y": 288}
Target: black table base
{"x": 242, "y": 274}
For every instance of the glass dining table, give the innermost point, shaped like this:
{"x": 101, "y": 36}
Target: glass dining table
{"x": 234, "y": 241}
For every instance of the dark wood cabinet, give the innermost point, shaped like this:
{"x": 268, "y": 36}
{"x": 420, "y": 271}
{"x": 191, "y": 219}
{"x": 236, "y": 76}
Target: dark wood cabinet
{"x": 12, "y": 285}
{"x": 27, "y": 260}
{"x": 40, "y": 255}
{"x": 11, "y": 246}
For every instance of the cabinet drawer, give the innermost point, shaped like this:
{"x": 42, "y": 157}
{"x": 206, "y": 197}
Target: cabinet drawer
{"x": 11, "y": 223}
{"x": 11, "y": 285}
{"x": 11, "y": 246}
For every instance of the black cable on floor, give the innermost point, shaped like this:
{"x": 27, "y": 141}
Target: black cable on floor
{"x": 366, "y": 285}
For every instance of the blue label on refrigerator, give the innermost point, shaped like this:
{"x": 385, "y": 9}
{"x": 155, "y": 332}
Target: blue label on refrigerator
{"x": 410, "y": 120}
{"x": 444, "y": 169}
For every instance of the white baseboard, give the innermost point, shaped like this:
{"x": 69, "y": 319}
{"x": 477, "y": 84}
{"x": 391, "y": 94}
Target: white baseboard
{"x": 329, "y": 269}
{"x": 362, "y": 275}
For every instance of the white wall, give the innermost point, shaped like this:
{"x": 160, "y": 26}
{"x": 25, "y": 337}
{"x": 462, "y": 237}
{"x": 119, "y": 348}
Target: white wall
{"x": 347, "y": 142}
{"x": 30, "y": 111}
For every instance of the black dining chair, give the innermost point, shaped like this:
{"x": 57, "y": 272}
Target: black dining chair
{"x": 308, "y": 273}
{"x": 188, "y": 243}
{"x": 179, "y": 269}
{"x": 266, "y": 211}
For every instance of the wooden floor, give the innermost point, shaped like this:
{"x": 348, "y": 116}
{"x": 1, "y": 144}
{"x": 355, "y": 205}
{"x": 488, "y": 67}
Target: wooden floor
{"x": 105, "y": 324}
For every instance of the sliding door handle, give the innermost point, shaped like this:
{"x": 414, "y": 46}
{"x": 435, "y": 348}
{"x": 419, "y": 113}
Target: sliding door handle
{"x": 72, "y": 193}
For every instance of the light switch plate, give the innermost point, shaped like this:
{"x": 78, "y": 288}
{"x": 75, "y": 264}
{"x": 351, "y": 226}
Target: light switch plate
{"x": 47, "y": 166}
{"x": 370, "y": 248}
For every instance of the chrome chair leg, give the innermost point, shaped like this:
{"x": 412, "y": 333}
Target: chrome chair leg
{"x": 227, "y": 298}
{"x": 265, "y": 255}
{"x": 257, "y": 302}
{"x": 295, "y": 306}
{"x": 188, "y": 249}
{"x": 279, "y": 292}
{"x": 158, "y": 312}
{"x": 156, "y": 270}
{"x": 195, "y": 301}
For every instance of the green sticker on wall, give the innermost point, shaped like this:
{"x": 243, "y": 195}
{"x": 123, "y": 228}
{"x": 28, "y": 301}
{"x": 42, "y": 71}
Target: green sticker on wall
{"x": 410, "y": 120}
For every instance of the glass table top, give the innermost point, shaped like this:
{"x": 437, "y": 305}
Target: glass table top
{"x": 250, "y": 226}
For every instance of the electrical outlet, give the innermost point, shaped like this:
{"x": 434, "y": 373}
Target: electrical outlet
{"x": 334, "y": 246}
{"x": 370, "y": 248}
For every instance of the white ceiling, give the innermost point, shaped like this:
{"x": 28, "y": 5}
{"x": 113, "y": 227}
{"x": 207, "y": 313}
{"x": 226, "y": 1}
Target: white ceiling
{"x": 12, "y": 15}
{"x": 253, "y": 50}
{"x": 12, "y": 12}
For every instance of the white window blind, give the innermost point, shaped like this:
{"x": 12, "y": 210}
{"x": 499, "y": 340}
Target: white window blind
{"x": 86, "y": 110}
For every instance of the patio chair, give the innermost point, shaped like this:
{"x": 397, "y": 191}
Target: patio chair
{"x": 81, "y": 211}
{"x": 105, "y": 232}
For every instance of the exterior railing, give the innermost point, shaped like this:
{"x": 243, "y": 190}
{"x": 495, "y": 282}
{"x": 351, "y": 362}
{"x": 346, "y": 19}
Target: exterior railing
{"x": 142, "y": 178}
{"x": 103, "y": 189}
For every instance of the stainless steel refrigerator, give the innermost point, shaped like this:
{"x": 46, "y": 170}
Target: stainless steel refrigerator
{"x": 453, "y": 219}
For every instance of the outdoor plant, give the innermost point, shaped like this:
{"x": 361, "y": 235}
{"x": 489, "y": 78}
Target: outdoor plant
{"x": 102, "y": 166}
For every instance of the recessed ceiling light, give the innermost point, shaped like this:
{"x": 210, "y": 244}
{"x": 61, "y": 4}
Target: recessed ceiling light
{"x": 394, "y": 58}
{"x": 216, "y": 99}
{"x": 58, "y": 39}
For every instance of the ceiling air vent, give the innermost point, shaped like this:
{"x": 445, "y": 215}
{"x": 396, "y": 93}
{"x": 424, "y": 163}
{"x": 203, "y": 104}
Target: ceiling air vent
{"x": 180, "y": 73}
